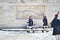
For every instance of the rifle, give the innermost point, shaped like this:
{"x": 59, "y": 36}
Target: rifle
{"x": 57, "y": 13}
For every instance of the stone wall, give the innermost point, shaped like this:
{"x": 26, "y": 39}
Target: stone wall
{"x": 14, "y": 13}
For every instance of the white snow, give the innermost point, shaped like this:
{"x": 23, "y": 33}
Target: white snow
{"x": 23, "y": 35}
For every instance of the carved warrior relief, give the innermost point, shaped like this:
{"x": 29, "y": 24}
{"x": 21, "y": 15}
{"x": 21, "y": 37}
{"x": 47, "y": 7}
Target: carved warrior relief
{"x": 22, "y": 1}
{"x": 31, "y": 1}
{"x": 30, "y": 10}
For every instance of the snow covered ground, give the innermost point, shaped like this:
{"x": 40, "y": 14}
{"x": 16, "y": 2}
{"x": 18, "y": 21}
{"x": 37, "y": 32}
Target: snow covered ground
{"x": 23, "y": 35}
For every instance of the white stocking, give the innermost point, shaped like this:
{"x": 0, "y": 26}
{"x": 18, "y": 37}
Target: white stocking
{"x": 57, "y": 37}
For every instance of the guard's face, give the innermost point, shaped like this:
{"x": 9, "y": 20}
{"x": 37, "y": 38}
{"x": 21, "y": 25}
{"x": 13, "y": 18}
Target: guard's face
{"x": 30, "y": 17}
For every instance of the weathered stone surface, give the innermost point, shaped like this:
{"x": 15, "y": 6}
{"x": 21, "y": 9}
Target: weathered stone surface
{"x": 12, "y": 10}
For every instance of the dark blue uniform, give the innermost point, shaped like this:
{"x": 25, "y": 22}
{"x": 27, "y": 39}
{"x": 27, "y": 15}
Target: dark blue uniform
{"x": 30, "y": 22}
{"x": 45, "y": 22}
{"x": 56, "y": 25}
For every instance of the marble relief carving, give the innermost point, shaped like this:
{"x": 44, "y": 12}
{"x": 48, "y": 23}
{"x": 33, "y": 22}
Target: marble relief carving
{"x": 21, "y": 1}
{"x": 30, "y": 10}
